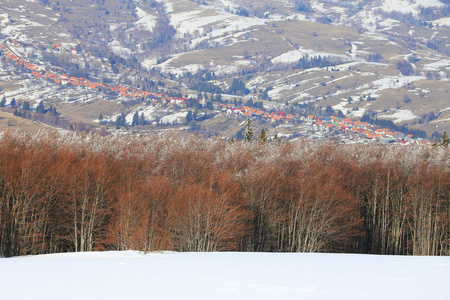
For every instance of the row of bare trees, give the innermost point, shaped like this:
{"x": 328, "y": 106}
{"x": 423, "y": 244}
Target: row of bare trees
{"x": 83, "y": 192}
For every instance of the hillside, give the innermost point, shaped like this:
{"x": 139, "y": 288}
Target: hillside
{"x": 387, "y": 59}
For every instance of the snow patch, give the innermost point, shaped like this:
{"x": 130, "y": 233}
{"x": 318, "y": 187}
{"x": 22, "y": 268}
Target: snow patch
{"x": 399, "y": 116}
{"x": 444, "y": 63}
{"x": 443, "y": 22}
{"x": 173, "y": 118}
{"x": 296, "y": 55}
{"x": 146, "y": 21}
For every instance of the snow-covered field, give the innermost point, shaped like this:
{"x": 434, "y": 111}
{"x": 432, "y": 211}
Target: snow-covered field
{"x": 132, "y": 275}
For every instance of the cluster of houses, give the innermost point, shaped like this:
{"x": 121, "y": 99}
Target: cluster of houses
{"x": 64, "y": 79}
{"x": 346, "y": 128}
{"x": 252, "y": 112}
{"x": 361, "y": 130}
{"x": 40, "y": 46}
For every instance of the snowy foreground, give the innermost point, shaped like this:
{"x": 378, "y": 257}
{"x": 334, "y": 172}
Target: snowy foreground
{"x": 132, "y": 275}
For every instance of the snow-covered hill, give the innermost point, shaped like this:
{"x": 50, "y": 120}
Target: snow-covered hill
{"x": 132, "y": 275}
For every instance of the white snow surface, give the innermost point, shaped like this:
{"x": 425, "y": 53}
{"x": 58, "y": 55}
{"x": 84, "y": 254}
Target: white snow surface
{"x": 223, "y": 275}
{"x": 146, "y": 21}
{"x": 443, "y": 22}
{"x": 296, "y": 55}
{"x": 171, "y": 119}
{"x": 399, "y": 115}
{"x": 409, "y": 6}
{"x": 218, "y": 22}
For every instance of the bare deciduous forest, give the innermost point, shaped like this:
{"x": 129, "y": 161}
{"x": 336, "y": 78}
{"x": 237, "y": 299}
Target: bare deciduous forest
{"x": 83, "y": 192}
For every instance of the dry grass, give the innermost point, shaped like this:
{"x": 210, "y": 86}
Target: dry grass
{"x": 8, "y": 121}
{"x": 87, "y": 113}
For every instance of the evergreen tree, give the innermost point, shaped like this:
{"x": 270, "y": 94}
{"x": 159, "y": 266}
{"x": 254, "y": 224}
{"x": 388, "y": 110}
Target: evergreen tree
{"x": 100, "y": 117}
{"x": 194, "y": 115}
{"x": 3, "y": 102}
{"x": 248, "y": 133}
{"x": 189, "y": 117}
{"x": 262, "y": 136}
{"x": 26, "y": 105}
{"x": 120, "y": 121}
{"x": 142, "y": 120}
{"x": 444, "y": 140}
{"x": 238, "y": 87}
{"x": 135, "y": 119}
{"x": 329, "y": 110}
{"x": 13, "y": 102}
{"x": 40, "y": 108}
{"x": 52, "y": 110}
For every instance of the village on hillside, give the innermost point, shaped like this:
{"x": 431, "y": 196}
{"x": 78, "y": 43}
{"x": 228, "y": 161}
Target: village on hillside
{"x": 299, "y": 126}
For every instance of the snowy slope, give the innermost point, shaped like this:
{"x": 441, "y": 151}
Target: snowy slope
{"x": 130, "y": 275}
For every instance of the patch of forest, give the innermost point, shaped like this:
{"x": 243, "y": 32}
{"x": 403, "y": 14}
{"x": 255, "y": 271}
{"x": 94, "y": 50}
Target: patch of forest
{"x": 75, "y": 191}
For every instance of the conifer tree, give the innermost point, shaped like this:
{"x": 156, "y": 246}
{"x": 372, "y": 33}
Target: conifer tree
{"x": 2, "y": 103}
{"x": 120, "y": 121}
{"x": 142, "y": 119}
{"x": 262, "y": 136}
{"x": 40, "y": 108}
{"x": 189, "y": 117}
{"x": 248, "y": 133}
{"x": 194, "y": 115}
{"x": 135, "y": 119}
{"x": 13, "y": 102}
{"x": 444, "y": 140}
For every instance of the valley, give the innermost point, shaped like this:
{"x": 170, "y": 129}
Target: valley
{"x": 97, "y": 65}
